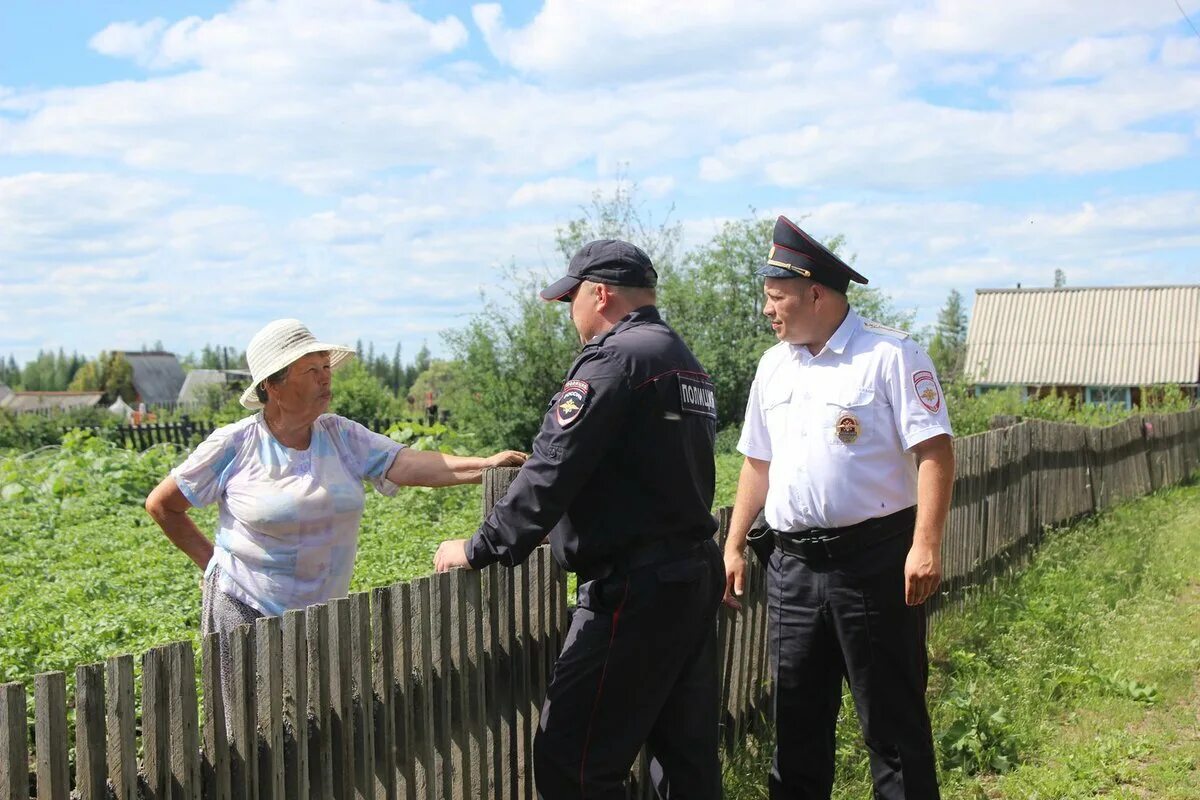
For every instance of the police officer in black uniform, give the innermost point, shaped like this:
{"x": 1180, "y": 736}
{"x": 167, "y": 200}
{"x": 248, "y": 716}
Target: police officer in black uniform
{"x": 622, "y": 478}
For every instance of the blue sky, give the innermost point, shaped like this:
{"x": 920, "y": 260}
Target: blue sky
{"x": 186, "y": 172}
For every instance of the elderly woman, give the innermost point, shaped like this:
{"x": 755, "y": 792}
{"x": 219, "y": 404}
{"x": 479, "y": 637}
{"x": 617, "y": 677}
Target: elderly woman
{"x": 289, "y": 484}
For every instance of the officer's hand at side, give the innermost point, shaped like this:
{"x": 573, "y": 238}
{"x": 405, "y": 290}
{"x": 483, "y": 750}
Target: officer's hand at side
{"x": 922, "y": 573}
{"x": 451, "y": 554}
{"x": 735, "y": 578}
{"x": 509, "y": 458}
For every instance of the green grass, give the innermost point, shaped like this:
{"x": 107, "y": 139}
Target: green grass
{"x": 1078, "y": 678}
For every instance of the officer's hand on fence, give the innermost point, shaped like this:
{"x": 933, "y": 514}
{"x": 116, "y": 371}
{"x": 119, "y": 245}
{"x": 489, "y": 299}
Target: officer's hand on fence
{"x": 735, "y": 578}
{"x": 451, "y": 554}
{"x": 509, "y": 458}
{"x": 922, "y": 573}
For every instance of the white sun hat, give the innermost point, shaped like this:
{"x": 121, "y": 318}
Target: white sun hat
{"x": 279, "y": 344}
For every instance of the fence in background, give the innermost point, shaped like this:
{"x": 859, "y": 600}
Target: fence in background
{"x": 432, "y": 688}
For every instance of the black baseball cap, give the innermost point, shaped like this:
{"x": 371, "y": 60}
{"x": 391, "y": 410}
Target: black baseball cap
{"x": 796, "y": 254}
{"x": 610, "y": 261}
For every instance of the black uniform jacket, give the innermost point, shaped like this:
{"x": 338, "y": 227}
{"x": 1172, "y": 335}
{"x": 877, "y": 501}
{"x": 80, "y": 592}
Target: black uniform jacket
{"x": 624, "y": 456}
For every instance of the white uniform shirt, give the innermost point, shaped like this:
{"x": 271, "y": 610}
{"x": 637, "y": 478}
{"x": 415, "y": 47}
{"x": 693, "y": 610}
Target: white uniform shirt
{"x": 838, "y": 427}
{"x": 288, "y": 529}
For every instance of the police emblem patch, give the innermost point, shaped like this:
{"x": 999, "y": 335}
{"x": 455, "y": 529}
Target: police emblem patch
{"x": 570, "y": 403}
{"x": 928, "y": 391}
{"x": 847, "y": 428}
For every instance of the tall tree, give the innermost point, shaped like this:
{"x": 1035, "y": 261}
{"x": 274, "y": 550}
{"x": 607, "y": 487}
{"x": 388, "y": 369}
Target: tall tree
{"x": 714, "y": 301}
{"x": 949, "y": 344}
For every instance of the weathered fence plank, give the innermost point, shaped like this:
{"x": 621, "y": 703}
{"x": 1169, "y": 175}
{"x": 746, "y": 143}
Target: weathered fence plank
{"x": 381, "y": 710}
{"x": 121, "y": 727}
{"x": 185, "y": 733}
{"x": 91, "y": 771}
{"x": 403, "y": 697}
{"x": 14, "y": 743}
{"x": 50, "y": 735}
{"x": 214, "y": 762}
{"x": 243, "y": 739}
{"x": 361, "y": 682}
{"x": 295, "y": 706}
{"x": 156, "y": 726}
{"x": 268, "y": 641}
{"x": 424, "y": 681}
{"x": 320, "y": 706}
{"x": 341, "y": 698}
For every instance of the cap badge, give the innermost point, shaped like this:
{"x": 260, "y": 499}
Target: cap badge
{"x": 774, "y": 262}
{"x": 847, "y": 428}
{"x": 570, "y": 403}
{"x": 928, "y": 391}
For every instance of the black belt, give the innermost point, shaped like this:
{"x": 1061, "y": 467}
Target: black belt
{"x": 645, "y": 554}
{"x": 831, "y": 543}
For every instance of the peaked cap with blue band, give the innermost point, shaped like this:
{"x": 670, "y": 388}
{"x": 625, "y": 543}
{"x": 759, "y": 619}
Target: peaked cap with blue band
{"x": 795, "y": 254}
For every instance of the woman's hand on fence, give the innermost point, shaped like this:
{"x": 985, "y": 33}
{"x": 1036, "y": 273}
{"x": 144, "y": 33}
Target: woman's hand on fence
{"x": 507, "y": 458}
{"x": 451, "y": 554}
{"x": 735, "y": 578}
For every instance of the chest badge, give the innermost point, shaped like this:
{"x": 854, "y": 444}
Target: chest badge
{"x": 571, "y": 402}
{"x": 847, "y": 428}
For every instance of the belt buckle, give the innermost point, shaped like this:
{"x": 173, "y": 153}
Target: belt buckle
{"x": 824, "y": 541}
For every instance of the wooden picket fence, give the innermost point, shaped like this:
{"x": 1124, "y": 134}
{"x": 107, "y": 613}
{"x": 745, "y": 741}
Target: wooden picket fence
{"x": 432, "y": 688}
{"x": 184, "y": 432}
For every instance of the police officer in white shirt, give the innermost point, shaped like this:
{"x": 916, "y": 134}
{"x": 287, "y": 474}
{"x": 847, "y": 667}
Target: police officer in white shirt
{"x": 848, "y": 452}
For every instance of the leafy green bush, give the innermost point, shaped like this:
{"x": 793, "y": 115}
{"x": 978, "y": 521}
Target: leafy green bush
{"x": 31, "y": 431}
{"x": 979, "y": 736}
{"x": 971, "y": 413}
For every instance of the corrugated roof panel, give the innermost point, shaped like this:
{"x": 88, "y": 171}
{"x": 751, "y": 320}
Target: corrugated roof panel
{"x": 1109, "y": 336}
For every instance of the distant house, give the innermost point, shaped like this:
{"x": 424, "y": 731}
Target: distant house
{"x": 198, "y": 380}
{"x": 1102, "y": 345}
{"x": 157, "y": 376}
{"x": 19, "y": 402}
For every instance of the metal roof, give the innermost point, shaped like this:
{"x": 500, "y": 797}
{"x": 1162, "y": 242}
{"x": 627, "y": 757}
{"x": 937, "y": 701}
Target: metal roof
{"x": 40, "y": 401}
{"x": 157, "y": 376}
{"x": 197, "y": 379}
{"x": 1105, "y": 336}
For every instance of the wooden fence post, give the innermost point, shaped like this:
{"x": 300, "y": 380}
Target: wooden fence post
{"x": 50, "y": 735}
{"x": 120, "y": 724}
{"x": 14, "y": 743}
{"x": 320, "y": 722}
{"x": 90, "y": 770}
{"x": 156, "y": 729}
{"x": 214, "y": 768}
{"x": 268, "y": 641}
{"x": 185, "y": 734}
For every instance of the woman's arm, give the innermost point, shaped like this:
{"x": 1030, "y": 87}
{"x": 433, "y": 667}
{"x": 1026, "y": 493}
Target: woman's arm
{"x": 430, "y": 468}
{"x": 167, "y": 505}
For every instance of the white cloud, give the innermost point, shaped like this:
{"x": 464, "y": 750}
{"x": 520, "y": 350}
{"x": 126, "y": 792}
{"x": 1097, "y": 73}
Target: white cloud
{"x": 1019, "y": 26}
{"x": 276, "y": 39}
{"x": 602, "y": 41}
{"x": 133, "y": 40}
{"x": 421, "y": 171}
{"x": 1094, "y": 57}
{"x": 574, "y": 192}
{"x": 1182, "y": 51}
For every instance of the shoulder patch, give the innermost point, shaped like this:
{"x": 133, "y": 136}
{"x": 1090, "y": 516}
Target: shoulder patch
{"x": 696, "y": 394}
{"x": 928, "y": 391}
{"x": 571, "y": 402}
{"x": 884, "y": 330}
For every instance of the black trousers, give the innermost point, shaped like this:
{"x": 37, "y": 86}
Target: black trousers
{"x": 846, "y": 618}
{"x": 639, "y": 666}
